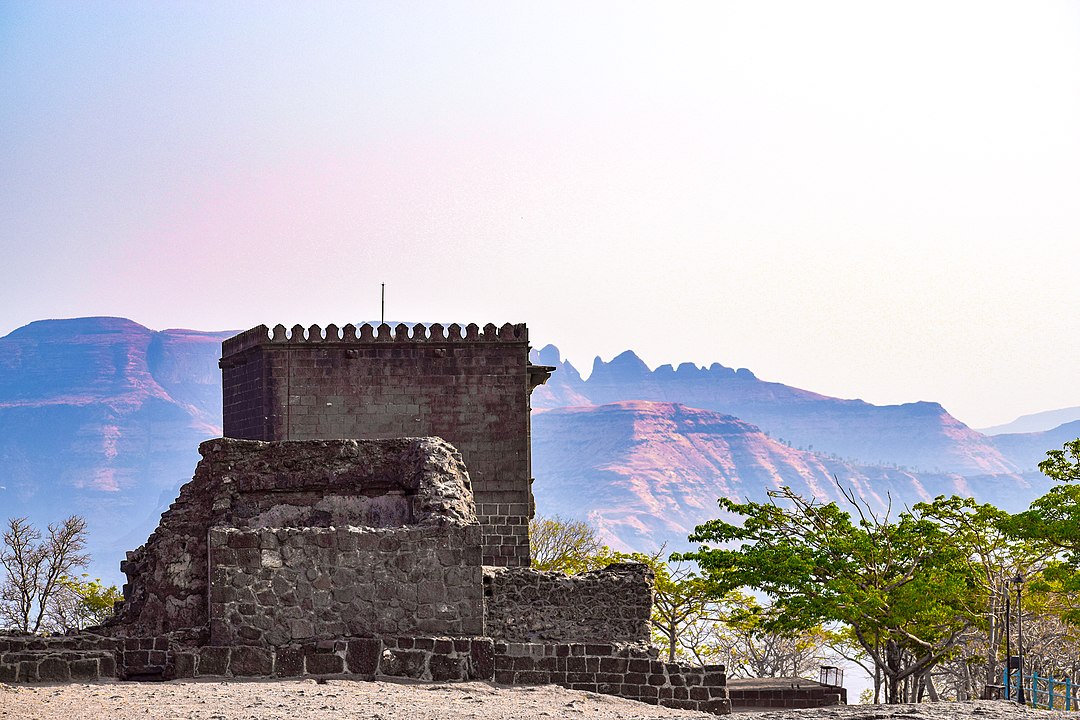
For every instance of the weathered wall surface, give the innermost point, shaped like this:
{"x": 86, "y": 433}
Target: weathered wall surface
{"x": 608, "y": 605}
{"x": 421, "y": 482}
{"x": 628, "y": 670}
{"x": 28, "y": 658}
{"x": 470, "y": 387}
{"x": 285, "y": 585}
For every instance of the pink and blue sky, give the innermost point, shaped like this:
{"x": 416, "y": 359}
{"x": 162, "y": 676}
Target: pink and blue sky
{"x": 875, "y": 200}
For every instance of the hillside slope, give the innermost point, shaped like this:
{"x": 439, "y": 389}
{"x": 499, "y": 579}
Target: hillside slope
{"x": 648, "y": 472}
{"x": 918, "y": 435}
{"x": 103, "y": 417}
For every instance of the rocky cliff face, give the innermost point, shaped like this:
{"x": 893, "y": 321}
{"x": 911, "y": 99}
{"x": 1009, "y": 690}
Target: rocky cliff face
{"x": 647, "y": 472}
{"x": 103, "y": 417}
{"x": 918, "y": 435}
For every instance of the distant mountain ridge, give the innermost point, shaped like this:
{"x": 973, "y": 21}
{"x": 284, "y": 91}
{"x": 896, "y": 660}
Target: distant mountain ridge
{"x": 103, "y": 417}
{"x": 651, "y": 470}
{"x": 1036, "y": 422}
{"x": 918, "y": 435}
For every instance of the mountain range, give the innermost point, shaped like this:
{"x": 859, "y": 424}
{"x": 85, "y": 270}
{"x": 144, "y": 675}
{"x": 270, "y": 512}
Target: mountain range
{"x": 103, "y": 417}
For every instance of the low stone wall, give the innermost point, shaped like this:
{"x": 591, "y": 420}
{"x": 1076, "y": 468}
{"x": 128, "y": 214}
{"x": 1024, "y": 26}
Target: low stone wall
{"x": 626, "y": 670}
{"x": 764, "y": 693}
{"x": 277, "y": 586}
{"x": 28, "y": 659}
{"x": 608, "y": 605}
{"x": 440, "y": 659}
{"x": 629, "y": 670}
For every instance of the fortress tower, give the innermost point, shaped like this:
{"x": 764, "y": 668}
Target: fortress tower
{"x": 466, "y": 385}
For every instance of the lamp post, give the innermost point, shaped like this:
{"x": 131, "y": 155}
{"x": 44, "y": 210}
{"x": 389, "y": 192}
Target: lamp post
{"x": 1019, "y": 582}
{"x": 1008, "y": 650}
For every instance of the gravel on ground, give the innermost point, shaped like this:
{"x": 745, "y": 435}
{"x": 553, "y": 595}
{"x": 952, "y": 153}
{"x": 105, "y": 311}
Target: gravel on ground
{"x": 310, "y": 699}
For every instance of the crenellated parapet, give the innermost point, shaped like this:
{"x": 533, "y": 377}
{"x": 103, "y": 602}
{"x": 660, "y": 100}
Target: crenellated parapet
{"x": 368, "y": 333}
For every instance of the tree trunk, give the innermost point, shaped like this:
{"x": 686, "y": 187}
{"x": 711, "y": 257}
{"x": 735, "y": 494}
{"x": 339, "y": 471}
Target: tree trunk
{"x": 930, "y": 689}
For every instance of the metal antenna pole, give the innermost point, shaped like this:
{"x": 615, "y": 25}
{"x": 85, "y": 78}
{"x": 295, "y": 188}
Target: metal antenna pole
{"x": 382, "y": 312}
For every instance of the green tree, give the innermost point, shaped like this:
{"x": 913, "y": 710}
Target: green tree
{"x": 34, "y": 566}
{"x": 81, "y": 603}
{"x": 564, "y": 545}
{"x": 1052, "y": 523}
{"x": 902, "y": 586}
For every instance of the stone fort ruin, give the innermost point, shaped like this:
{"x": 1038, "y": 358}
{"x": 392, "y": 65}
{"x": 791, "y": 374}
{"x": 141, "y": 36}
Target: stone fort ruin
{"x": 366, "y": 515}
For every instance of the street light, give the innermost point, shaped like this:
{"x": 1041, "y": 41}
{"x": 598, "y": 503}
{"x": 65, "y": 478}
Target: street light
{"x": 1019, "y": 582}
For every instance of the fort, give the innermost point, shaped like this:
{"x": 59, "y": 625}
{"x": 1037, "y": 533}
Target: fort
{"x": 366, "y": 515}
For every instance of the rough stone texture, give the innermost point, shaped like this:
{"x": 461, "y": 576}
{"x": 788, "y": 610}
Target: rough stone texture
{"x": 244, "y": 484}
{"x": 28, "y": 659}
{"x": 286, "y": 585}
{"x": 468, "y": 386}
{"x": 608, "y": 605}
{"x": 775, "y": 693}
{"x": 420, "y": 658}
{"x": 629, "y": 670}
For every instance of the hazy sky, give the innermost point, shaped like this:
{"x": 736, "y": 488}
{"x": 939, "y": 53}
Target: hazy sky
{"x": 875, "y": 200}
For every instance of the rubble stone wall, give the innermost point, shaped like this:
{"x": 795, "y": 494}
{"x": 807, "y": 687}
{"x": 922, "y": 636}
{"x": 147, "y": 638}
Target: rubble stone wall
{"x": 29, "y": 659}
{"x": 608, "y": 605}
{"x": 286, "y": 585}
{"x": 468, "y": 385}
{"x": 628, "y": 670}
{"x": 421, "y": 482}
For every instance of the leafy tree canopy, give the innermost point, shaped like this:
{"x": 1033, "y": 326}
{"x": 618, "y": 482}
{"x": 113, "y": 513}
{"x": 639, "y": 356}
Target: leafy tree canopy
{"x": 904, "y": 587}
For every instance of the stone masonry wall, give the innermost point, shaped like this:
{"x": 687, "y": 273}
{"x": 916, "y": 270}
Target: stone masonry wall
{"x": 608, "y": 605}
{"x": 468, "y": 386}
{"x": 286, "y": 585}
{"x": 628, "y": 670}
{"x": 28, "y": 658}
{"x": 417, "y": 481}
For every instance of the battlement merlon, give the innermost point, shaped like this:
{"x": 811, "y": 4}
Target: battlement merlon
{"x": 368, "y": 333}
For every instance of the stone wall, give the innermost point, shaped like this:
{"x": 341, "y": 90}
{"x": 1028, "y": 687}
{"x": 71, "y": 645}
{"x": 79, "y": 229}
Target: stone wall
{"x": 243, "y": 484}
{"x": 468, "y": 386}
{"x": 778, "y": 693}
{"x": 608, "y": 605}
{"x": 28, "y": 659}
{"x": 627, "y": 670}
{"x": 439, "y": 659}
{"x": 285, "y": 585}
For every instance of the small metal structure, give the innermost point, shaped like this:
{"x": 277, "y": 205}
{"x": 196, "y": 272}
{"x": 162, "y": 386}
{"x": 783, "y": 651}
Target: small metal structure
{"x": 831, "y": 675}
{"x": 1045, "y": 693}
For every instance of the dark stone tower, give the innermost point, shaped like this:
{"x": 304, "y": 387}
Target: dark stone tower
{"x": 466, "y": 385}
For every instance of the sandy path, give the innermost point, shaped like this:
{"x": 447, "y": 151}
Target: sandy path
{"x": 353, "y": 700}
{"x": 309, "y": 700}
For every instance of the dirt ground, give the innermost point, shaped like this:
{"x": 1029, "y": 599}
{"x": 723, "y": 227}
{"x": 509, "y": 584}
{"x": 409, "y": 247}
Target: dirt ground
{"x": 347, "y": 699}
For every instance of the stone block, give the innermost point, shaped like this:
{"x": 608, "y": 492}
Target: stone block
{"x": 213, "y": 660}
{"x": 251, "y": 662}
{"x": 9, "y": 672}
{"x": 444, "y": 668}
{"x": 403, "y": 663}
{"x": 84, "y": 669}
{"x": 481, "y": 659}
{"x": 54, "y": 669}
{"x": 324, "y": 664}
{"x": 184, "y": 665}
{"x": 362, "y": 656}
{"x": 289, "y": 662}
